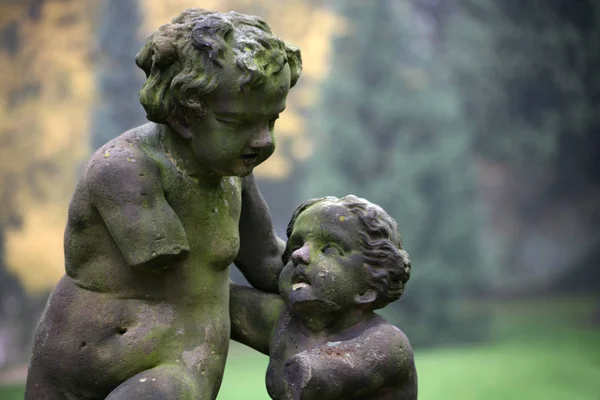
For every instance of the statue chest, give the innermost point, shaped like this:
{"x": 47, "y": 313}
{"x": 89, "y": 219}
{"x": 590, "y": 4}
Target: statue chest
{"x": 289, "y": 339}
{"x": 210, "y": 216}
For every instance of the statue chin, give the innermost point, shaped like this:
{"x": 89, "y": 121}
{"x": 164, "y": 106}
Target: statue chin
{"x": 308, "y": 306}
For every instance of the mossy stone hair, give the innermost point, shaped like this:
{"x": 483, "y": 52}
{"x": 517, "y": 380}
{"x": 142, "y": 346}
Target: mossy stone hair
{"x": 387, "y": 264}
{"x": 184, "y": 60}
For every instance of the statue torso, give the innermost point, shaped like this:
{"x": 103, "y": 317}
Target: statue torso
{"x": 130, "y": 322}
{"x": 291, "y": 338}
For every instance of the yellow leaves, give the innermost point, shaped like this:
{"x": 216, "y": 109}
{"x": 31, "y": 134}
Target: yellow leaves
{"x": 35, "y": 252}
{"x": 46, "y": 95}
{"x": 289, "y": 124}
{"x": 302, "y": 148}
{"x": 47, "y": 122}
{"x": 11, "y": 12}
{"x": 278, "y": 167}
{"x": 311, "y": 30}
{"x": 304, "y": 98}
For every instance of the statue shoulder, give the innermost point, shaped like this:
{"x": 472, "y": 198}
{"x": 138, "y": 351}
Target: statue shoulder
{"x": 391, "y": 341}
{"x": 389, "y": 334}
{"x": 123, "y": 161}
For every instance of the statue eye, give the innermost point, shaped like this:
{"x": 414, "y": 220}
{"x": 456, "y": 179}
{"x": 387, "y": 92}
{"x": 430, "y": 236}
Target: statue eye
{"x": 330, "y": 249}
{"x": 230, "y": 123}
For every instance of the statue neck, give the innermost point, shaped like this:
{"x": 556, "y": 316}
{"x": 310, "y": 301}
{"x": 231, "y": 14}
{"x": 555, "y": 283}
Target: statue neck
{"x": 180, "y": 153}
{"x": 330, "y": 322}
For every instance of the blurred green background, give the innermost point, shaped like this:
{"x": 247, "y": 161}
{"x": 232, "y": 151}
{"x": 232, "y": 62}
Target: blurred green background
{"x": 474, "y": 123}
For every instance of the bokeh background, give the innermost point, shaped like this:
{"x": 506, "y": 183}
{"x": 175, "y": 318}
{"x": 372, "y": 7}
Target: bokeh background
{"x": 475, "y": 123}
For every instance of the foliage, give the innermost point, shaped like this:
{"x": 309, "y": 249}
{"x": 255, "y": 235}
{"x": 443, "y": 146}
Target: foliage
{"x": 390, "y": 130}
{"x": 527, "y": 78}
{"x": 46, "y": 88}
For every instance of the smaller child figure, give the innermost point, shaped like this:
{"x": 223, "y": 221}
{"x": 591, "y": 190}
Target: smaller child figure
{"x": 343, "y": 260}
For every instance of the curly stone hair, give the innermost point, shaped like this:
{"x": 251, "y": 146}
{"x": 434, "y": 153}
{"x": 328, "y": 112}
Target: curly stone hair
{"x": 183, "y": 59}
{"x": 387, "y": 264}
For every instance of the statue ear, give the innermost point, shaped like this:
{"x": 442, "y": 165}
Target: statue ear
{"x": 178, "y": 122}
{"x": 368, "y": 297}
{"x": 294, "y": 59}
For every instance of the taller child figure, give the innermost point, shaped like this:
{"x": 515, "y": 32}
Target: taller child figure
{"x": 161, "y": 212}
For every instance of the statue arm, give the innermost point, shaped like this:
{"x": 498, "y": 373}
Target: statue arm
{"x": 259, "y": 258}
{"x": 350, "y": 369}
{"x": 130, "y": 199}
{"x": 254, "y": 315}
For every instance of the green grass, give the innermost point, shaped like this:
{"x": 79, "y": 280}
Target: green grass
{"x": 552, "y": 367}
{"x": 11, "y": 393}
{"x": 544, "y": 351}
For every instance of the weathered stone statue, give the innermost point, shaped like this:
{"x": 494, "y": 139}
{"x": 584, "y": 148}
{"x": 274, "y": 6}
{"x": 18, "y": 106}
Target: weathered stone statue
{"x": 161, "y": 212}
{"x": 344, "y": 259}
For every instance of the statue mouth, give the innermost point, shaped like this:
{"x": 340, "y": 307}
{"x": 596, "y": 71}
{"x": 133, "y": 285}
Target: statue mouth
{"x": 299, "y": 281}
{"x": 249, "y": 158}
{"x": 299, "y": 285}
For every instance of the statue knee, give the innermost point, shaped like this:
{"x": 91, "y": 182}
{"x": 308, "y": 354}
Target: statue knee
{"x": 159, "y": 383}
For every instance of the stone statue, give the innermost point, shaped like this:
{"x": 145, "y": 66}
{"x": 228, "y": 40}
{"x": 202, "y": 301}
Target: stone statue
{"x": 344, "y": 259}
{"x": 161, "y": 212}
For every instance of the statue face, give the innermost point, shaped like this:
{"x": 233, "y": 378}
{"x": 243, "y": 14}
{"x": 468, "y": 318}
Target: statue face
{"x": 326, "y": 265}
{"x": 236, "y": 133}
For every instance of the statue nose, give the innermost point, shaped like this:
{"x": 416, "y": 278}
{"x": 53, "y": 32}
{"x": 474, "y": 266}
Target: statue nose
{"x": 301, "y": 256}
{"x": 262, "y": 139}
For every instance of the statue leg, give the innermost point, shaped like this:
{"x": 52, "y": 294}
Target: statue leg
{"x": 40, "y": 387}
{"x": 164, "y": 382}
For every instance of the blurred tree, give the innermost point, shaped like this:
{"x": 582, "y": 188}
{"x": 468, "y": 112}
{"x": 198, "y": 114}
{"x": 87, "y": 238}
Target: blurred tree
{"x": 528, "y": 78}
{"x": 118, "y": 78}
{"x": 389, "y": 129}
{"x": 45, "y": 94}
{"x": 12, "y": 295}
